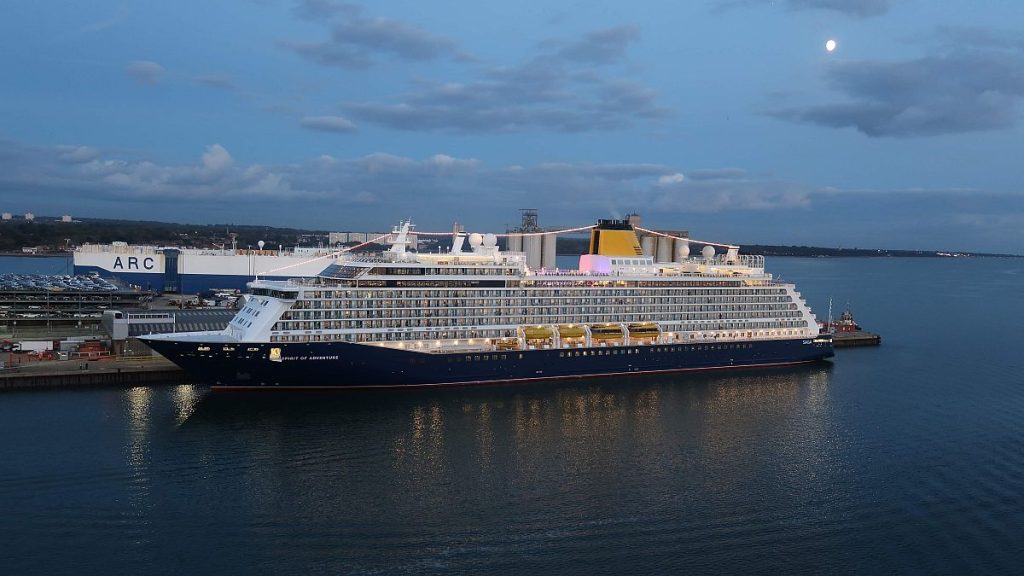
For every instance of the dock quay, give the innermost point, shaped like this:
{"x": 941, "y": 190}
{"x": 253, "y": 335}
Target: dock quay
{"x": 119, "y": 372}
{"x": 108, "y": 354}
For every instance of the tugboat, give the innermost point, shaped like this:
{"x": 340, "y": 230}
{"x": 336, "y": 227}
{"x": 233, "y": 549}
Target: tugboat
{"x": 846, "y": 332}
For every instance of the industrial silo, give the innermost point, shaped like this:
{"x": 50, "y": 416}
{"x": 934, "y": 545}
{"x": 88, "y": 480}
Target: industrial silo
{"x": 647, "y": 245}
{"x": 533, "y": 250}
{"x": 550, "y": 251}
{"x": 682, "y": 250}
{"x": 515, "y": 243}
{"x": 664, "y": 250}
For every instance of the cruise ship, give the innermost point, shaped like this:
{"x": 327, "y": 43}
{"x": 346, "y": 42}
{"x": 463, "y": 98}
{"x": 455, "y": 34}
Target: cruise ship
{"x": 477, "y": 314}
{"x": 195, "y": 270}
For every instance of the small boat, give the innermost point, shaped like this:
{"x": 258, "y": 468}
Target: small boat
{"x": 846, "y": 332}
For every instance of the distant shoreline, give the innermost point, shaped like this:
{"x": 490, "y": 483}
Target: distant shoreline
{"x": 576, "y": 246}
{"x": 56, "y": 236}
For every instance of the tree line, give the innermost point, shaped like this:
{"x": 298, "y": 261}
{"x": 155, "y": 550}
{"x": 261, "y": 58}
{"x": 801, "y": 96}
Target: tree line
{"x": 53, "y": 236}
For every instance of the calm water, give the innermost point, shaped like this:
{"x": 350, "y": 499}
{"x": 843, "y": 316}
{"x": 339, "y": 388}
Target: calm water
{"x": 905, "y": 458}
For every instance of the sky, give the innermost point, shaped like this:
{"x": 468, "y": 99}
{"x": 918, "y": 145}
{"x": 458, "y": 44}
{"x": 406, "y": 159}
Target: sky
{"x": 726, "y": 118}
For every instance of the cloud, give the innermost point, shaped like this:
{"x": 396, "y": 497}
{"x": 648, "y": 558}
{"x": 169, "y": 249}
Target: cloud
{"x": 496, "y": 105}
{"x": 966, "y": 37}
{"x": 544, "y": 92}
{"x": 547, "y": 91}
{"x": 717, "y": 174}
{"x": 602, "y": 46}
{"x": 451, "y": 163}
{"x": 971, "y": 86}
{"x": 321, "y": 9}
{"x": 392, "y": 36}
{"x": 145, "y": 71}
{"x": 670, "y": 179}
{"x": 982, "y": 221}
{"x": 216, "y": 160}
{"x": 439, "y": 184}
{"x": 372, "y": 191}
{"x": 356, "y": 39}
{"x": 77, "y": 154}
{"x": 218, "y": 81}
{"x": 328, "y": 124}
{"x": 855, "y": 8}
{"x": 328, "y": 54}
{"x": 69, "y": 174}
{"x": 152, "y": 73}
{"x": 710, "y": 196}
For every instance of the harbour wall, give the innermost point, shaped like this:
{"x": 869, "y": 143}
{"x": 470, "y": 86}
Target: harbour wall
{"x": 91, "y": 374}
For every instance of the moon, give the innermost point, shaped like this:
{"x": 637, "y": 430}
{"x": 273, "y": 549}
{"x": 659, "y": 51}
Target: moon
{"x": 830, "y": 45}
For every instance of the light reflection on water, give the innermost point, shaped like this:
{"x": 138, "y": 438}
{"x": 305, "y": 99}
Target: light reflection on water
{"x": 137, "y": 404}
{"x": 477, "y": 477}
{"x": 186, "y": 398}
{"x": 565, "y": 437}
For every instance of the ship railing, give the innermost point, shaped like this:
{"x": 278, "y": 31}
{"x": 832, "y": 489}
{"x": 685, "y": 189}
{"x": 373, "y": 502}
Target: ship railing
{"x": 664, "y": 338}
{"x": 687, "y": 274}
{"x": 566, "y": 272}
{"x": 740, "y": 260}
{"x": 150, "y": 318}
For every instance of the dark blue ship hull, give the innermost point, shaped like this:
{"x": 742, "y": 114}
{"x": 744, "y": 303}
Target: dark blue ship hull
{"x": 346, "y": 365}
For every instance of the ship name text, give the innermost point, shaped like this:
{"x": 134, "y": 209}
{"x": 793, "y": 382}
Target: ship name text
{"x": 133, "y": 263}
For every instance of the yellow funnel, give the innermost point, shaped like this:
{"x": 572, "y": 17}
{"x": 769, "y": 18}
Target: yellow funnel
{"x": 614, "y": 238}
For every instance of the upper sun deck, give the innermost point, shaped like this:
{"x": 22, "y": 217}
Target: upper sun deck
{"x": 476, "y": 257}
{"x": 484, "y": 259}
{"x": 383, "y": 271}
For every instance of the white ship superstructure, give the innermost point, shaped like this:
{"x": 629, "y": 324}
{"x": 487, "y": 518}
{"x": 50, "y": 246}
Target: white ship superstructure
{"x": 484, "y": 295}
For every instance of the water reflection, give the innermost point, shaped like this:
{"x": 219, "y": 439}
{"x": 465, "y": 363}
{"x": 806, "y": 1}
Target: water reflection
{"x": 138, "y": 407}
{"x": 485, "y": 435}
{"x": 587, "y": 432}
{"x": 186, "y": 398}
{"x": 419, "y": 453}
{"x": 137, "y": 403}
{"x": 778, "y": 425}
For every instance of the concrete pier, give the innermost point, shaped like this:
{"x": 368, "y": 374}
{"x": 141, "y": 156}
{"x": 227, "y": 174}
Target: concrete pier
{"x": 84, "y": 373}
